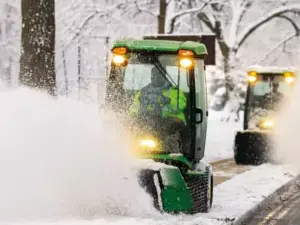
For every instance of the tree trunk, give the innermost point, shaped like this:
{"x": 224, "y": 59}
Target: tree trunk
{"x": 8, "y": 72}
{"x": 38, "y": 45}
{"x": 225, "y": 50}
{"x": 162, "y": 16}
{"x": 227, "y": 70}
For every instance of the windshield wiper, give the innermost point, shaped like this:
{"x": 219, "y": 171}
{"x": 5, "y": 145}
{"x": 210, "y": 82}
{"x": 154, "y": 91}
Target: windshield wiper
{"x": 164, "y": 72}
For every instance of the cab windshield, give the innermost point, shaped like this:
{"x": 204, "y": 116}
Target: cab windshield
{"x": 265, "y": 96}
{"x": 126, "y": 81}
{"x": 137, "y": 74}
{"x": 150, "y": 93}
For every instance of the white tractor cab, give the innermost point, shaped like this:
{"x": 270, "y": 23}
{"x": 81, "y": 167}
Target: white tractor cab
{"x": 267, "y": 87}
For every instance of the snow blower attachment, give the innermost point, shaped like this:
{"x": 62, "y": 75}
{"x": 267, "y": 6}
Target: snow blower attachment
{"x": 267, "y": 87}
{"x": 158, "y": 88}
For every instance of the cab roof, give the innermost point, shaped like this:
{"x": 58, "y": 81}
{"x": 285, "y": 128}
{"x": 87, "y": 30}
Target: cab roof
{"x": 161, "y": 46}
{"x": 271, "y": 69}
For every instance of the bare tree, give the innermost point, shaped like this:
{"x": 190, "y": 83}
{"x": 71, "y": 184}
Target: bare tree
{"x": 38, "y": 45}
{"x": 228, "y": 20}
{"x": 225, "y": 18}
{"x": 84, "y": 20}
{"x": 228, "y": 17}
{"x": 8, "y": 38}
{"x": 169, "y": 11}
{"x": 162, "y": 16}
{"x": 234, "y": 22}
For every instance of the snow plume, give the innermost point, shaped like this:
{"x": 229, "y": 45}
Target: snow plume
{"x": 59, "y": 160}
{"x": 286, "y": 138}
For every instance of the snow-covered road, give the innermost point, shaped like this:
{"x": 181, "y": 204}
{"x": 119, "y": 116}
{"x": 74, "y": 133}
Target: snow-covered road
{"x": 220, "y": 137}
{"x": 226, "y": 169}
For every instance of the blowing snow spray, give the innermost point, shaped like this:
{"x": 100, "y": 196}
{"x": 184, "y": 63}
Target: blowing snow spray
{"x": 286, "y": 137}
{"x": 58, "y": 160}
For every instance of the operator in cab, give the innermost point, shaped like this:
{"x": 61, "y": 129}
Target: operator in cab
{"x": 159, "y": 99}
{"x": 162, "y": 104}
{"x": 275, "y": 96}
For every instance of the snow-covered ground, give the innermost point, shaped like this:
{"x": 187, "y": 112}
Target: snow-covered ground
{"x": 220, "y": 137}
{"x": 238, "y": 195}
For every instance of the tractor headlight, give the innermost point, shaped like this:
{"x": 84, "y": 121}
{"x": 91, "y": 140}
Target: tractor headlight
{"x": 147, "y": 143}
{"x": 147, "y": 146}
{"x": 252, "y": 77}
{"x": 119, "y": 56}
{"x": 267, "y": 124}
{"x": 186, "y": 62}
{"x": 289, "y": 79}
{"x": 118, "y": 59}
{"x": 186, "y": 58}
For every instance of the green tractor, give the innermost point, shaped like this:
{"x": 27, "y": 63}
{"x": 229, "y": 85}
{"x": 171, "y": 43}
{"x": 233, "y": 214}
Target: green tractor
{"x": 158, "y": 90}
{"x": 267, "y": 87}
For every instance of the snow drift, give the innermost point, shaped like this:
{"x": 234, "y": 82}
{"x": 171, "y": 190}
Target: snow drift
{"x": 59, "y": 160}
{"x": 286, "y": 138}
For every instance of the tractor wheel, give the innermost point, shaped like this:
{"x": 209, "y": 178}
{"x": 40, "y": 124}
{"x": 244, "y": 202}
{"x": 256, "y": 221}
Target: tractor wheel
{"x": 241, "y": 159}
{"x": 250, "y": 149}
{"x": 247, "y": 158}
{"x": 201, "y": 188}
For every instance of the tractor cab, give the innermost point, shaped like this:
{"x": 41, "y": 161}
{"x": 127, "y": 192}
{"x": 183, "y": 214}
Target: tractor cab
{"x": 267, "y": 88}
{"x": 158, "y": 88}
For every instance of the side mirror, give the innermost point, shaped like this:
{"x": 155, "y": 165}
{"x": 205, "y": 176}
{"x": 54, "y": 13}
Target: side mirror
{"x": 199, "y": 111}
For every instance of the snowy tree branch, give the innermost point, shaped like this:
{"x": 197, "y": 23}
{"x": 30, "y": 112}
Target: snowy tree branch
{"x": 184, "y": 12}
{"x": 255, "y": 25}
{"x": 97, "y": 12}
{"x": 246, "y": 4}
{"x": 293, "y": 23}
{"x": 283, "y": 42}
{"x": 204, "y": 18}
{"x": 82, "y": 26}
{"x": 287, "y": 39}
{"x": 140, "y": 9}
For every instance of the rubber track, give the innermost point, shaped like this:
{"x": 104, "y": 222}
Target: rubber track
{"x": 198, "y": 186}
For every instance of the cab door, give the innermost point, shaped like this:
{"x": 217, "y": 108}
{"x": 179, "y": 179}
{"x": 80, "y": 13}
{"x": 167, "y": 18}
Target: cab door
{"x": 201, "y": 110}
